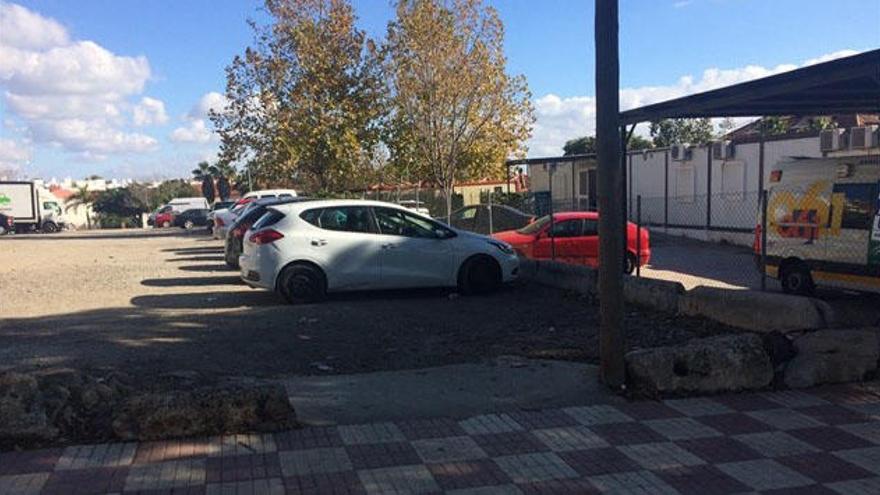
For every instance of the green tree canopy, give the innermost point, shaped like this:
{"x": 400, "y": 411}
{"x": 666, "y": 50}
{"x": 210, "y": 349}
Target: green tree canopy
{"x": 118, "y": 206}
{"x": 586, "y": 145}
{"x": 692, "y": 131}
{"x": 307, "y": 101}
{"x": 168, "y": 190}
{"x": 456, "y": 113}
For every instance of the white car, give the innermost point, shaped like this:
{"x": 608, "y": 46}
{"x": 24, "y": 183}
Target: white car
{"x": 223, "y": 219}
{"x": 304, "y": 250}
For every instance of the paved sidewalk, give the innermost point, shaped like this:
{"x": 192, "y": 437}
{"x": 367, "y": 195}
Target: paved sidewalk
{"x": 824, "y": 441}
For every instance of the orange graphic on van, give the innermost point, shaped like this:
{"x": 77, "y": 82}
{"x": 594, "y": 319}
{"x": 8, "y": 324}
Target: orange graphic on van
{"x": 810, "y": 214}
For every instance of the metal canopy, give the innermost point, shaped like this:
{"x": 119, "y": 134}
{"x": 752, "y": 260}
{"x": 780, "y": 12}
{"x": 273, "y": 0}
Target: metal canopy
{"x": 845, "y": 85}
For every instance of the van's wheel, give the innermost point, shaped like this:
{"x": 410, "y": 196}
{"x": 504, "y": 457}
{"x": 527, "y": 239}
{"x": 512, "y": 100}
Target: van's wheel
{"x": 795, "y": 278}
{"x": 630, "y": 266}
{"x": 188, "y": 225}
{"x": 302, "y": 283}
{"x": 479, "y": 275}
{"x": 50, "y": 227}
{"x": 166, "y": 224}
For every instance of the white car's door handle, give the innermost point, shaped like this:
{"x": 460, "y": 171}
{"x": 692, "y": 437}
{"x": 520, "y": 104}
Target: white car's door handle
{"x": 389, "y": 246}
{"x": 319, "y": 242}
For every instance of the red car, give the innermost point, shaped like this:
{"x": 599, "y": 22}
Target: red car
{"x": 576, "y": 240}
{"x": 164, "y": 217}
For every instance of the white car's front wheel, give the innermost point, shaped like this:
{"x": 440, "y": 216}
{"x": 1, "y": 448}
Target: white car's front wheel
{"x": 479, "y": 274}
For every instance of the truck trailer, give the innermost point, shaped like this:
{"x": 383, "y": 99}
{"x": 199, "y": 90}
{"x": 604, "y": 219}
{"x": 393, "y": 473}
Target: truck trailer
{"x": 30, "y": 208}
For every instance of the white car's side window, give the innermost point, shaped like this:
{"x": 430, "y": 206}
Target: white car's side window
{"x": 396, "y": 222}
{"x": 341, "y": 218}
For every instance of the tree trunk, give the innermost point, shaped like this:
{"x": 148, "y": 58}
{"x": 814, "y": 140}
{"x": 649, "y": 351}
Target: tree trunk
{"x": 448, "y": 190}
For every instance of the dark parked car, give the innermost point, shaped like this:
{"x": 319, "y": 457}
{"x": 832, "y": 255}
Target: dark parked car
{"x": 476, "y": 218}
{"x": 235, "y": 236}
{"x": 197, "y": 217}
{"x": 7, "y": 223}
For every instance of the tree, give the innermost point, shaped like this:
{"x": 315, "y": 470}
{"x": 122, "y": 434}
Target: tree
{"x": 205, "y": 172}
{"x": 118, "y": 207}
{"x": 774, "y": 125}
{"x": 456, "y": 113}
{"x": 672, "y": 131}
{"x": 581, "y": 146}
{"x": 587, "y": 145}
{"x": 637, "y": 142}
{"x": 307, "y": 102}
{"x": 81, "y": 197}
{"x": 224, "y": 172}
{"x": 168, "y": 190}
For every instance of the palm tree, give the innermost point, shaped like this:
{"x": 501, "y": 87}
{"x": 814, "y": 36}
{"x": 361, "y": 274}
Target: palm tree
{"x": 81, "y": 197}
{"x": 203, "y": 170}
{"x": 226, "y": 174}
{"x": 206, "y": 172}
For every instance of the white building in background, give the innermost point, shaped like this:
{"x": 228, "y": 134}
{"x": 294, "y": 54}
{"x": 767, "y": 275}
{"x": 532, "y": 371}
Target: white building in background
{"x": 705, "y": 192}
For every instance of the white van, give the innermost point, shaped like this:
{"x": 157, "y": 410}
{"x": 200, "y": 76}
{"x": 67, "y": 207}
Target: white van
{"x": 823, "y": 224}
{"x": 180, "y": 205}
{"x": 271, "y": 193}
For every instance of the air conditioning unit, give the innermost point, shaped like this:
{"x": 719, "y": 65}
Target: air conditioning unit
{"x": 862, "y": 138}
{"x": 680, "y": 152}
{"x": 723, "y": 150}
{"x": 831, "y": 139}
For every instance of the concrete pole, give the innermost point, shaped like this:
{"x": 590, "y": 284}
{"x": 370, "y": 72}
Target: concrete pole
{"x": 608, "y": 147}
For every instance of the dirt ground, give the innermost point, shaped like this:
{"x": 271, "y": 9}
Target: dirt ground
{"x": 149, "y": 302}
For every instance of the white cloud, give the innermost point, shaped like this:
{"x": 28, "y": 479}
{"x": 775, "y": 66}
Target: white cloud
{"x": 195, "y": 132}
{"x": 149, "y": 111}
{"x": 209, "y": 101}
{"x": 25, "y": 29}
{"x": 13, "y": 155}
{"x": 72, "y": 93}
{"x": 562, "y": 118}
{"x": 682, "y": 3}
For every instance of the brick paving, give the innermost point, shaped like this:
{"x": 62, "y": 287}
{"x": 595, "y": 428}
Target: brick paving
{"x": 825, "y": 440}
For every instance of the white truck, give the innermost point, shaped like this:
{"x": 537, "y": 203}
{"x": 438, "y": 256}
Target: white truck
{"x": 30, "y": 207}
{"x": 823, "y": 224}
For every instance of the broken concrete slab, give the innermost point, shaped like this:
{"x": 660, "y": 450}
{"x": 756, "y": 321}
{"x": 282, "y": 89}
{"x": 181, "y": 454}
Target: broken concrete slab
{"x": 754, "y": 310}
{"x": 833, "y": 356}
{"x": 714, "y": 364}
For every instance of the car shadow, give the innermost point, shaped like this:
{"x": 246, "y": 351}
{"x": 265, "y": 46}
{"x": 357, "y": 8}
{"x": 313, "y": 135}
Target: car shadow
{"x": 208, "y": 300}
{"x": 194, "y": 250}
{"x": 197, "y": 258}
{"x": 205, "y": 268}
{"x": 191, "y": 281}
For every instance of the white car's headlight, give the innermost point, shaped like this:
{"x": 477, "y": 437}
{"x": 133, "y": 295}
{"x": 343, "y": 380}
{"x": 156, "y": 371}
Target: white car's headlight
{"x": 503, "y": 247}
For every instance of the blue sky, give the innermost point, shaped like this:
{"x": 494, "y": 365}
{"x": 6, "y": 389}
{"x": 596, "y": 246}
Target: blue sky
{"x": 170, "y": 54}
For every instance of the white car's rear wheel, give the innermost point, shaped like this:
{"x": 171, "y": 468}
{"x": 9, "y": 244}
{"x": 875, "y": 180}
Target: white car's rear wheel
{"x": 302, "y": 284}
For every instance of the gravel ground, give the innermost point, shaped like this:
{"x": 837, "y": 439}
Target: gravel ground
{"x": 148, "y": 302}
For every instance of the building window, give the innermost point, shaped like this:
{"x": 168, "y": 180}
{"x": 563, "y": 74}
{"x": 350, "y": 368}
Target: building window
{"x": 685, "y": 184}
{"x": 733, "y": 180}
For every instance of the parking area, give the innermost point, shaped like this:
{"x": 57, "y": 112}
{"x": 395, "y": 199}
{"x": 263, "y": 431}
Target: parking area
{"x": 692, "y": 262}
{"x": 150, "y": 302}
